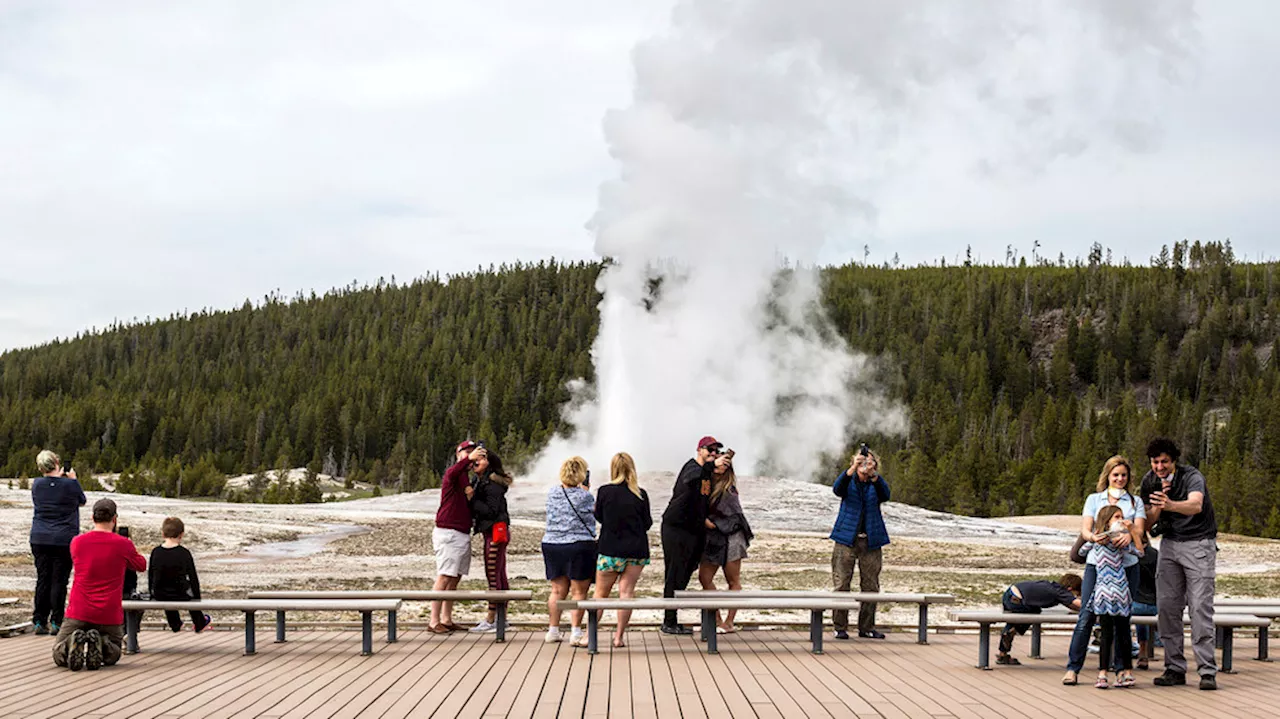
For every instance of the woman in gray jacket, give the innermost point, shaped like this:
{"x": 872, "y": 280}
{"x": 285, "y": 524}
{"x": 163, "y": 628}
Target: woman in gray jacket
{"x": 728, "y": 536}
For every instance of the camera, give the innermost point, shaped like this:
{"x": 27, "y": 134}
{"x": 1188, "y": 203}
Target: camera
{"x": 864, "y": 450}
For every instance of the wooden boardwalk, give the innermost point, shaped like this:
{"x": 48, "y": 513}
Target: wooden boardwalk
{"x": 757, "y": 674}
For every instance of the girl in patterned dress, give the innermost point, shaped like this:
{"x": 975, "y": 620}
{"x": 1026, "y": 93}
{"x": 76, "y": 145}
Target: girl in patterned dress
{"x": 1112, "y": 599}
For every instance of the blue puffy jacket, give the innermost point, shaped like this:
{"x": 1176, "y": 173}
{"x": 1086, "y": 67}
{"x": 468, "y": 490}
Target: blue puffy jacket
{"x": 857, "y": 498}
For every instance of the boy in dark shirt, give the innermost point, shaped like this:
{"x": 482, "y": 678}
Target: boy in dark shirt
{"x": 171, "y": 575}
{"x": 1031, "y": 597}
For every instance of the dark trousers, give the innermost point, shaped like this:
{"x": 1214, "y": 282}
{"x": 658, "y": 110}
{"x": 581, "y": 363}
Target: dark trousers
{"x": 868, "y": 562}
{"x": 495, "y": 567}
{"x": 112, "y": 641}
{"x": 1013, "y": 605}
{"x": 53, "y": 571}
{"x": 1115, "y": 639}
{"x": 174, "y": 618}
{"x": 681, "y": 555}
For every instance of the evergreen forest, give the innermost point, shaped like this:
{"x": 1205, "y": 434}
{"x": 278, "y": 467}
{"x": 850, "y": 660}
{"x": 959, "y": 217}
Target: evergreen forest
{"x": 1021, "y": 379}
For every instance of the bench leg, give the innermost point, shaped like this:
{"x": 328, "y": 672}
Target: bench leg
{"x": 709, "y": 630}
{"x": 391, "y": 627}
{"x": 1228, "y": 639}
{"x": 132, "y": 621}
{"x": 366, "y": 633}
{"x": 1263, "y": 638}
{"x": 984, "y": 646}
{"x": 593, "y": 625}
{"x": 1035, "y": 641}
{"x": 922, "y": 636}
{"x": 500, "y": 617}
{"x": 249, "y": 645}
{"x": 280, "y": 627}
{"x": 815, "y": 630}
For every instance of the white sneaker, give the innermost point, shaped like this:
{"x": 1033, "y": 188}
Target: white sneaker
{"x": 484, "y": 627}
{"x": 579, "y": 638}
{"x": 553, "y": 635}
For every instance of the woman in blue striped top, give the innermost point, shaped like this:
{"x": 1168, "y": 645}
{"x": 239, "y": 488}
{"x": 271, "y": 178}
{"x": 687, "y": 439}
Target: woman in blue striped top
{"x": 569, "y": 545}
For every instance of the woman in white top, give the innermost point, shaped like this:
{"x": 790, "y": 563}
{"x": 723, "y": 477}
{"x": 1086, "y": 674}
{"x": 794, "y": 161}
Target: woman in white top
{"x": 1113, "y": 490}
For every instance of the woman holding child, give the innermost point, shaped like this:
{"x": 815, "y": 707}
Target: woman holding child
{"x": 625, "y": 518}
{"x": 1112, "y": 491}
{"x": 728, "y": 536}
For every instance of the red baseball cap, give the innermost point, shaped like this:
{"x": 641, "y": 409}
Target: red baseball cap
{"x": 465, "y": 444}
{"x": 707, "y": 441}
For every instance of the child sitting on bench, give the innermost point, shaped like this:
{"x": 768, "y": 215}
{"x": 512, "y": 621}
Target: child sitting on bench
{"x": 171, "y": 575}
{"x": 1029, "y": 598}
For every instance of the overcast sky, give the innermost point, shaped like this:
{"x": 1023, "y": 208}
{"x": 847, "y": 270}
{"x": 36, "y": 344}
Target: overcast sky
{"x": 160, "y": 156}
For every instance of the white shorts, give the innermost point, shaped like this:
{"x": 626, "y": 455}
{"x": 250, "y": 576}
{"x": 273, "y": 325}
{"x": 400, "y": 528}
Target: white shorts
{"x": 453, "y": 552}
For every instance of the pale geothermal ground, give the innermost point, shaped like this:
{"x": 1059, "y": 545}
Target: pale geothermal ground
{"x": 384, "y": 542}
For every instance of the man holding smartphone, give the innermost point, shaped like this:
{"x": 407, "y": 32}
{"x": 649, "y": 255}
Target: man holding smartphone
{"x": 684, "y": 530}
{"x": 1180, "y": 511}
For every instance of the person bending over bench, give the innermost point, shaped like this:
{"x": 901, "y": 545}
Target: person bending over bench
{"x": 1030, "y": 598}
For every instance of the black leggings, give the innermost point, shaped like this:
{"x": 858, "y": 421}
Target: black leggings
{"x": 53, "y": 572}
{"x": 1114, "y": 629}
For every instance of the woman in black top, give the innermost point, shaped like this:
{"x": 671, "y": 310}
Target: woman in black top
{"x": 623, "y": 510}
{"x": 489, "y": 508}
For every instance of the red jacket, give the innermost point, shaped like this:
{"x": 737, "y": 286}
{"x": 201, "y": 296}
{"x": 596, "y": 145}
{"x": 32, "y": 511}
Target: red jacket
{"x": 454, "y": 512}
{"x": 99, "y": 559}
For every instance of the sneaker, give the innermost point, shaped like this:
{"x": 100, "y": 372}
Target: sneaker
{"x": 54, "y": 628}
{"x": 93, "y": 650}
{"x": 678, "y": 629}
{"x": 1208, "y": 683}
{"x": 75, "y": 652}
{"x": 208, "y": 622}
{"x": 578, "y": 638}
{"x": 553, "y": 635}
{"x": 41, "y": 629}
{"x": 1170, "y": 678}
{"x": 873, "y": 634}
{"x": 484, "y": 627}
{"x": 841, "y": 634}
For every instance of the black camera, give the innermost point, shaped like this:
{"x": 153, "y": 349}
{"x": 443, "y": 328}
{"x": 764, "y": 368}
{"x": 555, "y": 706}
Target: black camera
{"x": 864, "y": 450}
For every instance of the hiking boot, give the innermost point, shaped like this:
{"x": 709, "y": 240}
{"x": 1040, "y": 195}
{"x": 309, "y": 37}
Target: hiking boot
{"x": 1170, "y": 678}
{"x": 41, "y": 629}
{"x": 1208, "y": 683}
{"x": 93, "y": 650}
{"x": 841, "y": 634}
{"x": 75, "y": 652}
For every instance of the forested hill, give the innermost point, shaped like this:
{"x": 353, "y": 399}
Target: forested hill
{"x": 1020, "y": 380}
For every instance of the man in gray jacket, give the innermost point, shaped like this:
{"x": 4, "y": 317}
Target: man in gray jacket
{"x": 1181, "y": 513}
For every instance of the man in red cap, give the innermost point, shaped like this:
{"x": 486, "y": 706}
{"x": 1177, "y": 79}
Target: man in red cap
{"x": 451, "y": 539}
{"x": 684, "y": 528}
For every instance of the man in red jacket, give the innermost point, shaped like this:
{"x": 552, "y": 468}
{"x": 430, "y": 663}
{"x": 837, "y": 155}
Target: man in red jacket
{"x": 451, "y": 538}
{"x": 93, "y": 631}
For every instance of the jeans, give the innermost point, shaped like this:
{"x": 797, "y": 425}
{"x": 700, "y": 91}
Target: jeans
{"x": 1143, "y": 610}
{"x": 1084, "y": 624}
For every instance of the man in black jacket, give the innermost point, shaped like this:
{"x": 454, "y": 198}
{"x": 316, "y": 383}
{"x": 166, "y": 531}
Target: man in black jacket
{"x": 684, "y": 524}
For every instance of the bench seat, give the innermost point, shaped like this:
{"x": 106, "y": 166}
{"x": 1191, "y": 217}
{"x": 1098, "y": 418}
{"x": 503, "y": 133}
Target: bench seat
{"x": 924, "y": 600}
{"x": 708, "y": 605}
{"x": 366, "y": 607}
{"x": 501, "y": 597}
{"x": 985, "y": 618}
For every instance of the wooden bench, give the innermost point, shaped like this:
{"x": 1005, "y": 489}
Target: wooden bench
{"x": 985, "y": 618}
{"x": 709, "y": 605}
{"x": 924, "y": 600}
{"x": 366, "y": 607}
{"x": 500, "y": 596}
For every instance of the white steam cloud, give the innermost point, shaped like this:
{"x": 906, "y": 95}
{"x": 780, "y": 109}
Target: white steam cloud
{"x": 760, "y": 131}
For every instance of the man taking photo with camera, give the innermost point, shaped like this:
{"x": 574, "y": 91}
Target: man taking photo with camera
{"x": 684, "y": 523}
{"x": 859, "y": 533}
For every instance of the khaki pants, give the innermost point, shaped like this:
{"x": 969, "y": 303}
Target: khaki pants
{"x": 112, "y": 641}
{"x": 868, "y": 561}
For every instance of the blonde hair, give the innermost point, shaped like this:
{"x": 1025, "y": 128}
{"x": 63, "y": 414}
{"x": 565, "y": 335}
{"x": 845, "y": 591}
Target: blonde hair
{"x": 723, "y": 483}
{"x": 46, "y": 461}
{"x": 1104, "y": 479}
{"x": 573, "y": 472}
{"x": 622, "y": 470}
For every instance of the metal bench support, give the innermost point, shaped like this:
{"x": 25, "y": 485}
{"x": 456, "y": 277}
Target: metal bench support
{"x": 132, "y": 623}
{"x": 500, "y": 619}
{"x": 922, "y": 636}
{"x": 1036, "y": 634}
{"x": 984, "y": 646}
{"x": 593, "y": 626}
{"x": 1262, "y": 644}
{"x": 249, "y": 644}
{"x": 391, "y": 627}
{"x": 280, "y": 627}
{"x": 815, "y": 630}
{"x": 1228, "y": 639}
{"x": 709, "y": 630}
{"x": 366, "y": 633}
